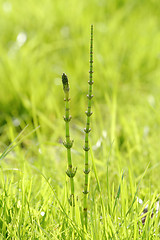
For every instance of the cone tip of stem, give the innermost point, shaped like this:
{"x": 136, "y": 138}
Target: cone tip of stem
{"x": 64, "y": 79}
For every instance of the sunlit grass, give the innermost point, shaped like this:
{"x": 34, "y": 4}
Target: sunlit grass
{"x": 39, "y": 41}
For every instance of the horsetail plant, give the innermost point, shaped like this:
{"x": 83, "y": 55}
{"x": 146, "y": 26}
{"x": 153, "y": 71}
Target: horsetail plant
{"x": 68, "y": 143}
{"x": 87, "y": 129}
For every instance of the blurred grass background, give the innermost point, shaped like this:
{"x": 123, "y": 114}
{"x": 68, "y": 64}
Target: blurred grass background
{"x": 42, "y": 39}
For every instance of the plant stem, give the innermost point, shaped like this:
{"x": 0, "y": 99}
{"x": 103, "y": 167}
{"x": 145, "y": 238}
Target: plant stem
{"x": 68, "y": 143}
{"x": 87, "y": 129}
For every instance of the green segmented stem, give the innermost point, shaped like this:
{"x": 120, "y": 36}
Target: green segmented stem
{"x": 87, "y": 129}
{"x": 68, "y": 143}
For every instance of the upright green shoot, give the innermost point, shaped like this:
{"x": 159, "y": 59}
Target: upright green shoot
{"x": 68, "y": 143}
{"x": 87, "y": 129}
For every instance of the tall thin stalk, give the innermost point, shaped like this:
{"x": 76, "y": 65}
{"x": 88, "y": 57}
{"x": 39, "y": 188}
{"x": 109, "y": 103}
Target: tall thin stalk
{"x": 87, "y": 129}
{"x": 68, "y": 143}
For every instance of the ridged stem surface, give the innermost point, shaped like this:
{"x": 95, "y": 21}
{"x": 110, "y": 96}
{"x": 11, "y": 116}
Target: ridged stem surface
{"x": 87, "y": 129}
{"x": 68, "y": 143}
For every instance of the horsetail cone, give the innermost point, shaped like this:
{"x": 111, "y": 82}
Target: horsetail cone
{"x": 65, "y": 83}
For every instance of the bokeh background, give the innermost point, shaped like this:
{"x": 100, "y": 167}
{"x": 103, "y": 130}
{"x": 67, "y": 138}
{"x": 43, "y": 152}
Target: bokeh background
{"x": 39, "y": 41}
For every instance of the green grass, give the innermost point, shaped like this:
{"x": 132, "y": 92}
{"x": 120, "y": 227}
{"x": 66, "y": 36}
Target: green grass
{"x": 39, "y": 41}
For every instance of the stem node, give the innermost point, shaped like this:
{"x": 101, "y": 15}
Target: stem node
{"x": 71, "y": 172}
{"x": 90, "y": 82}
{"x": 86, "y": 171}
{"x": 67, "y": 119}
{"x": 87, "y": 130}
{"x": 88, "y": 113}
{"x": 86, "y": 148}
{"x": 68, "y": 144}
